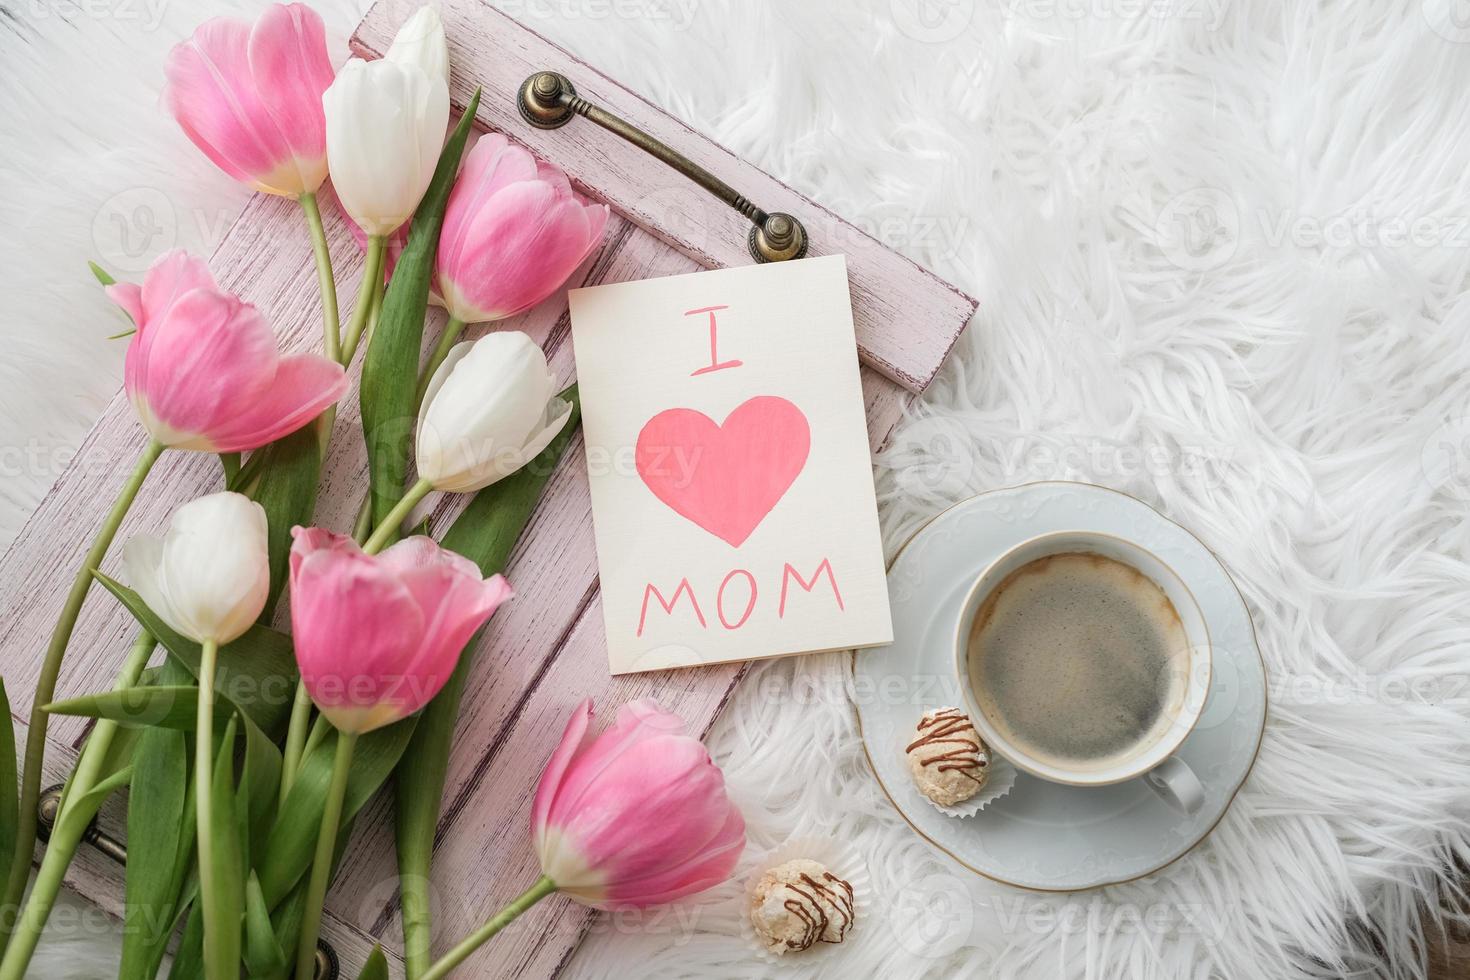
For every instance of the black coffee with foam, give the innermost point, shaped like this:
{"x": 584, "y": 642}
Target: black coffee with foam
{"x": 1080, "y": 661}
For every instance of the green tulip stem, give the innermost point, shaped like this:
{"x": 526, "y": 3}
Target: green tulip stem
{"x": 387, "y": 530}
{"x": 319, "y": 730}
{"x": 331, "y": 321}
{"x": 377, "y": 309}
{"x": 295, "y": 750}
{"x": 321, "y": 866}
{"x": 372, "y": 278}
{"x": 545, "y": 886}
{"x": 447, "y": 339}
{"x": 204, "y": 793}
{"x": 35, "y": 751}
{"x": 67, "y": 833}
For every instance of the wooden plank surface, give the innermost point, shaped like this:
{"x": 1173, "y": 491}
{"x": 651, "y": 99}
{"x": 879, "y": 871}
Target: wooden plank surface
{"x": 907, "y": 318}
{"x": 545, "y": 651}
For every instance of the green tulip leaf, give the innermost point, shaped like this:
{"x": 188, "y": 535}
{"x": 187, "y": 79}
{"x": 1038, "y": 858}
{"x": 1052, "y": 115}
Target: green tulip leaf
{"x": 389, "y": 388}
{"x": 222, "y": 923}
{"x": 291, "y": 846}
{"x": 157, "y": 825}
{"x": 171, "y": 707}
{"x": 9, "y": 789}
{"x": 256, "y": 673}
{"x": 288, "y": 913}
{"x": 176, "y": 707}
{"x": 486, "y": 533}
{"x": 376, "y": 967}
{"x": 286, "y": 490}
{"x": 230, "y": 463}
{"x": 264, "y": 958}
{"x": 79, "y": 810}
{"x": 102, "y": 275}
{"x": 188, "y": 961}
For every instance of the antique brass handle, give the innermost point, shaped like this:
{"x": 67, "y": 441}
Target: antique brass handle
{"x": 548, "y": 100}
{"x": 327, "y": 966}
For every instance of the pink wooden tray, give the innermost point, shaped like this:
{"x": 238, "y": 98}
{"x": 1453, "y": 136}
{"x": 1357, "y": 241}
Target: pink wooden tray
{"x": 545, "y": 651}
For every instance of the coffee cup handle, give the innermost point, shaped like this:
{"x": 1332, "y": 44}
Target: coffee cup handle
{"x": 1173, "y": 780}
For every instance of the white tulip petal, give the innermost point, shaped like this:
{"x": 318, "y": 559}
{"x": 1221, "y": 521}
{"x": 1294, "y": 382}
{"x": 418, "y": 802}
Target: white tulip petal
{"x": 484, "y": 407}
{"x": 385, "y": 127}
{"x": 456, "y": 354}
{"x": 209, "y": 576}
{"x": 142, "y": 557}
{"x": 420, "y": 41}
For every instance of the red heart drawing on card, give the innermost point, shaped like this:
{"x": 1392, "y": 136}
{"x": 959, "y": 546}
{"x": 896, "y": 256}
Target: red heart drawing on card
{"x": 725, "y": 478}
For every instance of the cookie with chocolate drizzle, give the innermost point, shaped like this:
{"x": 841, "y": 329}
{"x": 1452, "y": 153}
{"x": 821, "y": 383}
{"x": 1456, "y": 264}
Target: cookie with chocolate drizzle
{"x": 948, "y": 760}
{"x": 799, "y": 904}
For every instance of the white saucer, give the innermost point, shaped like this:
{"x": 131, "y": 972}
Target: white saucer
{"x": 1042, "y": 835}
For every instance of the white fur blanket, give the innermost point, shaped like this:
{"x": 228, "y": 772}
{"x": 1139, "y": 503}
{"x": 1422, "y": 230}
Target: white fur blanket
{"x": 1221, "y": 250}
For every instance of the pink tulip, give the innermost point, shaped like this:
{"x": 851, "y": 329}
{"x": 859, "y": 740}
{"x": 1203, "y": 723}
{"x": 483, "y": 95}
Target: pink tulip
{"x": 637, "y": 816}
{"x": 513, "y": 232}
{"x": 377, "y": 636}
{"x": 203, "y": 369}
{"x": 251, "y": 97}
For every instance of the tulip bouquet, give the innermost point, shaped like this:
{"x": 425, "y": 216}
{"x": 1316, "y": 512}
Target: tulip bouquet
{"x": 241, "y": 794}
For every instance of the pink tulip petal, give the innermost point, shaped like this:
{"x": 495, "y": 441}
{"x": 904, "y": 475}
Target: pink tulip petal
{"x": 704, "y": 867}
{"x": 671, "y": 784}
{"x": 454, "y": 600}
{"x": 251, "y": 98}
{"x": 494, "y": 162}
{"x": 308, "y": 540}
{"x": 397, "y": 671}
{"x": 288, "y": 52}
{"x": 527, "y": 219}
{"x": 572, "y": 741}
{"x": 491, "y": 164}
{"x": 211, "y": 93}
{"x": 584, "y": 806}
{"x": 454, "y": 606}
{"x": 638, "y": 816}
{"x": 513, "y": 232}
{"x": 207, "y": 356}
{"x": 130, "y": 297}
{"x": 173, "y": 274}
{"x": 636, "y": 721}
{"x": 303, "y": 387}
{"x": 420, "y": 551}
{"x": 203, "y": 368}
{"x": 350, "y": 622}
{"x": 596, "y": 225}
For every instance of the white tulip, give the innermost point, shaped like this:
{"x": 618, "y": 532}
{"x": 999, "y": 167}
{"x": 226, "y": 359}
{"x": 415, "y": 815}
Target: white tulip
{"x": 420, "y": 41}
{"x": 209, "y": 575}
{"x": 488, "y": 410}
{"x": 386, "y": 121}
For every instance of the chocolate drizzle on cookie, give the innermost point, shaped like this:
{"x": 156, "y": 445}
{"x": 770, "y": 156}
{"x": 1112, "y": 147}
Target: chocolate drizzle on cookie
{"x": 951, "y": 727}
{"x": 811, "y": 904}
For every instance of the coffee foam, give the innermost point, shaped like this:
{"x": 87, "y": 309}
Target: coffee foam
{"x": 1080, "y": 661}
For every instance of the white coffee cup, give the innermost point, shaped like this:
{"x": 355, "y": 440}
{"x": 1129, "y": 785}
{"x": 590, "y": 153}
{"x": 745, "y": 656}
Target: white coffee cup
{"x": 1155, "y": 761}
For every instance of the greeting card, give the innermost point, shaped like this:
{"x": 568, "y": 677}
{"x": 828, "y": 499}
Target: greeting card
{"x": 732, "y": 490}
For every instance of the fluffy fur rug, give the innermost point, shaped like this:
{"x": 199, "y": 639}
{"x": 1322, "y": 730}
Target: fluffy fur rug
{"x": 1221, "y": 250}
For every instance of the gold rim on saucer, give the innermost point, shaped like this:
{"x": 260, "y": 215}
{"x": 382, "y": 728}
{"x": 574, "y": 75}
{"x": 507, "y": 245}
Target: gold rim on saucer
{"x": 1256, "y": 645}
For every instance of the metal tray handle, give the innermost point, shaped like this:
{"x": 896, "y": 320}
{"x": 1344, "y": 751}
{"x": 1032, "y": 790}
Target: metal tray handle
{"x": 548, "y": 100}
